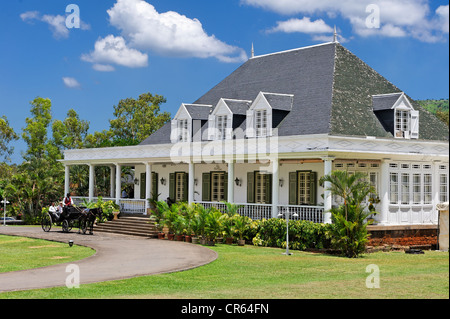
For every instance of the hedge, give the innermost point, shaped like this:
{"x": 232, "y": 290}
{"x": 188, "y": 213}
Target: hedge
{"x": 303, "y": 235}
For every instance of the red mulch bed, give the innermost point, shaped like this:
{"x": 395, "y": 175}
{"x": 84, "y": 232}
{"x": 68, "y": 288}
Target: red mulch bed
{"x": 403, "y": 241}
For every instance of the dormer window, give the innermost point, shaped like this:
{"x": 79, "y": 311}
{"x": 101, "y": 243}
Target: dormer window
{"x": 183, "y": 131}
{"x": 402, "y": 123}
{"x": 261, "y": 123}
{"x": 266, "y": 112}
{"x": 397, "y": 115}
{"x": 221, "y": 125}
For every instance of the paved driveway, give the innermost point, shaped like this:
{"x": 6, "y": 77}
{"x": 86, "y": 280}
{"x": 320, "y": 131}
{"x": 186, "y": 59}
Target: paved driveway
{"x": 116, "y": 257}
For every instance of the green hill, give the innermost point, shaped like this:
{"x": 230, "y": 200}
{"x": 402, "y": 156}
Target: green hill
{"x": 438, "y": 108}
{"x": 434, "y": 105}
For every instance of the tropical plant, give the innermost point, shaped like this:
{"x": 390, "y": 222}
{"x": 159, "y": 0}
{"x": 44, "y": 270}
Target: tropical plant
{"x": 158, "y": 213}
{"x": 213, "y": 227}
{"x": 241, "y": 224}
{"x": 350, "y": 234}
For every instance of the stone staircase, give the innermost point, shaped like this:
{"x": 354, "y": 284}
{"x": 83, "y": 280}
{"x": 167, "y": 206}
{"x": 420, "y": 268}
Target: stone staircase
{"x": 141, "y": 226}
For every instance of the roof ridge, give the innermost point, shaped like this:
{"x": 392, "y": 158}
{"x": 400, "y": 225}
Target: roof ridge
{"x": 291, "y": 50}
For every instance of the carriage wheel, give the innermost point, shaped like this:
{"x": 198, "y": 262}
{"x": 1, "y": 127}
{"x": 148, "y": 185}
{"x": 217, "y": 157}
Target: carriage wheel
{"x": 46, "y": 223}
{"x": 65, "y": 226}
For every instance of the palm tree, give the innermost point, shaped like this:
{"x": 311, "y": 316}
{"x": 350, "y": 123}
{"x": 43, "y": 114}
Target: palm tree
{"x": 350, "y": 218}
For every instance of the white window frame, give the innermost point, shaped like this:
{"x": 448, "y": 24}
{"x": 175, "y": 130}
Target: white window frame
{"x": 222, "y": 126}
{"x": 261, "y": 123}
{"x": 402, "y": 123}
{"x": 183, "y": 130}
{"x": 443, "y": 187}
{"x": 410, "y": 184}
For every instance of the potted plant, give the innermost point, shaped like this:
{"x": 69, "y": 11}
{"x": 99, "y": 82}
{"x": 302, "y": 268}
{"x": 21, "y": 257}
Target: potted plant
{"x": 153, "y": 203}
{"x": 158, "y": 214}
{"x": 213, "y": 226}
{"x": 228, "y": 228}
{"x": 241, "y": 224}
{"x": 178, "y": 227}
{"x": 169, "y": 219}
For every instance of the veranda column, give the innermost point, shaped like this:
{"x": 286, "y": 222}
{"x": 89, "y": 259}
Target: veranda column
{"x": 275, "y": 186}
{"x": 112, "y": 180}
{"x": 66, "y": 179}
{"x": 328, "y": 167}
{"x": 384, "y": 193}
{"x": 148, "y": 184}
{"x": 91, "y": 182}
{"x": 230, "y": 181}
{"x": 118, "y": 183}
{"x": 191, "y": 182}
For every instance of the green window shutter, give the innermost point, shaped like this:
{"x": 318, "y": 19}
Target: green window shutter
{"x": 172, "y": 187}
{"x": 154, "y": 184}
{"x": 313, "y": 189}
{"x": 268, "y": 179}
{"x": 143, "y": 184}
{"x": 250, "y": 187}
{"x": 206, "y": 187}
{"x": 186, "y": 187}
{"x": 225, "y": 187}
{"x": 293, "y": 188}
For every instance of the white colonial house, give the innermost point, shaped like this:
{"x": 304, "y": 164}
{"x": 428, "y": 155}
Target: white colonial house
{"x": 265, "y": 135}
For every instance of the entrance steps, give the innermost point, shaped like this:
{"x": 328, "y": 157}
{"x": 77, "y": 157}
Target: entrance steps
{"x": 141, "y": 226}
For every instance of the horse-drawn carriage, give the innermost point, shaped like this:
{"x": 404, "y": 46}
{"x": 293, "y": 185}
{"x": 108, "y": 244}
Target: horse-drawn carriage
{"x": 72, "y": 216}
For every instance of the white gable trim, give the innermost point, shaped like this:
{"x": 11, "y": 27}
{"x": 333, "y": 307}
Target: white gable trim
{"x": 182, "y": 113}
{"x": 403, "y": 103}
{"x": 260, "y": 103}
{"x": 222, "y": 105}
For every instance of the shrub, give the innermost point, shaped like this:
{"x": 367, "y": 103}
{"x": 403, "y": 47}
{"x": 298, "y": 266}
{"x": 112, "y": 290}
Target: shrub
{"x": 302, "y": 234}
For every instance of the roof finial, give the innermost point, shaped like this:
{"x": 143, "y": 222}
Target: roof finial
{"x": 335, "y": 36}
{"x": 253, "y": 51}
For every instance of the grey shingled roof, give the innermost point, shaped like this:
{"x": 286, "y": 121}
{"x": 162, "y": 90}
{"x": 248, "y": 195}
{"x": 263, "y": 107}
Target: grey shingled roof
{"x": 280, "y": 102}
{"x": 199, "y": 112}
{"x": 384, "y": 101}
{"x": 306, "y": 73}
{"x": 332, "y": 93}
{"x": 238, "y": 107}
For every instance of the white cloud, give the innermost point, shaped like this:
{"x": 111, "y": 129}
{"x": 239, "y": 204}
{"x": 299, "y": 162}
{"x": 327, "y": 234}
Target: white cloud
{"x": 56, "y": 23}
{"x": 442, "y": 18}
{"x": 168, "y": 33}
{"x": 103, "y": 67}
{"x": 30, "y": 16}
{"x": 398, "y": 18}
{"x": 71, "y": 83}
{"x": 304, "y": 25}
{"x": 114, "y": 50}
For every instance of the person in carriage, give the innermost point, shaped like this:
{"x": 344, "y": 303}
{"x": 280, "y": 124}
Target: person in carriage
{"x": 68, "y": 201}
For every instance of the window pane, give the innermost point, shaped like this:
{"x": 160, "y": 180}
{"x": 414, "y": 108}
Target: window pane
{"x": 427, "y": 188}
{"x": 304, "y": 184}
{"x": 443, "y": 188}
{"x": 218, "y": 187}
{"x": 417, "y": 188}
{"x": 405, "y": 188}
{"x": 393, "y": 188}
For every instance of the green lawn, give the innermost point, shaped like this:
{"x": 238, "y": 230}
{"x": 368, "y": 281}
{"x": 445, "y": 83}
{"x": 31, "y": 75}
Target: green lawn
{"x": 255, "y": 272}
{"x": 19, "y": 253}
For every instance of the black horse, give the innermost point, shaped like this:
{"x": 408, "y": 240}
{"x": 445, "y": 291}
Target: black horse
{"x": 88, "y": 218}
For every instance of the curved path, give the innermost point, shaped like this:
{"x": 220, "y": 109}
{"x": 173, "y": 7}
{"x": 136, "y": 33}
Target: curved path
{"x": 116, "y": 257}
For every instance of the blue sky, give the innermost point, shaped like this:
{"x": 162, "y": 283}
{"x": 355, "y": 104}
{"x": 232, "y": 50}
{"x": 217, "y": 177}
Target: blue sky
{"x": 180, "y": 49}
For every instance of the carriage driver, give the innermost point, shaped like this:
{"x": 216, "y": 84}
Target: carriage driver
{"x": 68, "y": 200}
